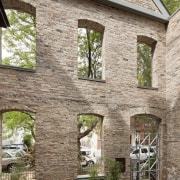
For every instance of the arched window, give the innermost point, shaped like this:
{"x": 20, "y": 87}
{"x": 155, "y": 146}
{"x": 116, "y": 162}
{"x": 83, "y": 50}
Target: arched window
{"x": 89, "y": 141}
{"x": 90, "y": 39}
{"x": 145, "y": 146}
{"x": 19, "y": 40}
{"x": 18, "y": 137}
{"x": 145, "y": 52}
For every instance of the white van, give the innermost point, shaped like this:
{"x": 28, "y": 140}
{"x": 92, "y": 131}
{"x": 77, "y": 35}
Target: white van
{"x": 142, "y": 153}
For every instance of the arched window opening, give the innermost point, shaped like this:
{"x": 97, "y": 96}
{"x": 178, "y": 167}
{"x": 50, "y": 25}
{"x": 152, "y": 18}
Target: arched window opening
{"x": 145, "y": 52}
{"x": 145, "y": 147}
{"x": 18, "y": 143}
{"x": 90, "y": 39}
{"x": 19, "y": 40}
{"x": 89, "y": 142}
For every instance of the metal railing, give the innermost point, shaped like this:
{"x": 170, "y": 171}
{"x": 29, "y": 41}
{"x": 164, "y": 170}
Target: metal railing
{"x": 20, "y": 175}
{"x": 148, "y": 169}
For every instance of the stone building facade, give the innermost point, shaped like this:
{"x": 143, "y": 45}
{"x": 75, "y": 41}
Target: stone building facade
{"x": 57, "y": 96}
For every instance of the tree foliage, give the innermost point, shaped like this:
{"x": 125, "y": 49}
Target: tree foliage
{"x": 172, "y": 5}
{"x": 27, "y": 139}
{"x": 13, "y": 121}
{"x": 144, "y": 65}
{"x": 150, "y": 125}
{"x": 89, "y": 53}
{"x": 19, "y": 40}
{"x": 86, "y": 125}
{"x": 113, "y": 169}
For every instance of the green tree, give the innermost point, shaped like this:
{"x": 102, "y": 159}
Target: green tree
{"x": 13, "y": 121}
{"x": 27, "y": 139}
{"x": 113, "y": 169}
{"x": 172, "y": 5}
{"x": 86, "y": 125}
{"x": 89, "y": 53}
{"x": 19, "y": 40}
{"x": 144, "y": 65}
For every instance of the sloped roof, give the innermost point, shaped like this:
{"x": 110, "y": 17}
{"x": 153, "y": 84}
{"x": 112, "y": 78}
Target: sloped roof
{"x": 130, "y": 7}
{"x": 3, "y": 18}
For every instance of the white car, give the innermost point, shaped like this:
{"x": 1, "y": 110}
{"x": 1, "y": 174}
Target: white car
{"x": 11, "y": 159}
{"x": 87, "y": 157}
{"x": 142, "y": 153}
{"x": 87, "y": 161}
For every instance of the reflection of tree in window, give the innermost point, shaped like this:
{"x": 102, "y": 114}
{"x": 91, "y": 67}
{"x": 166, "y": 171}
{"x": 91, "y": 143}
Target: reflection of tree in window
{"x": 144, "y": 65}
{"x": 89, "y": 53}
{"x": 19, "y": 41}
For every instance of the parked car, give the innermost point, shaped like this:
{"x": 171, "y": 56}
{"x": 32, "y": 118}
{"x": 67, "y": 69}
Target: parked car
{"x": 142, "y": 153}
{"x": 10, "y": 160}
{"x": 132, "y": 148}
{"x": 16, "y": 152}
{"x": 15, "y": 146}
{"x": 86, "y": 161}
{"x": 87, "y": 157}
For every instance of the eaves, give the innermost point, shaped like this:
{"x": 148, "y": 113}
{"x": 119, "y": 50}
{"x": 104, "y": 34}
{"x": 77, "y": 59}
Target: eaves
{"x": 162, "y": 17}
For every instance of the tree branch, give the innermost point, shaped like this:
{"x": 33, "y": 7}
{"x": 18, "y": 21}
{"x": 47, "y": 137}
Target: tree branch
{"x": 85, "y": 133}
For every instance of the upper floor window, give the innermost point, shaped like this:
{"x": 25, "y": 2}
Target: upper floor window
{"x": 19, "y": 40}
{"x": 145, "y": 52}
{"x": 90, "y": 39}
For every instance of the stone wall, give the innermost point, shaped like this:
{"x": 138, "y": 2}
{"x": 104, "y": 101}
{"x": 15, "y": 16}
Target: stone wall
{"x": 56, "y": 95}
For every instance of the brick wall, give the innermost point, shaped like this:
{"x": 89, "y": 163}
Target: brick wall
{"x": 56, "y": 95}
{"x": 173, "y": 95}
{"x": 150, "y": 5}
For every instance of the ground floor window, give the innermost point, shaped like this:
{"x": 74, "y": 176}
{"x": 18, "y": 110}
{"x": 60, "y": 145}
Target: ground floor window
{"x": 89, "y": 143}
{"x": 18, "y": 145}
{"x": 145, "y": 148}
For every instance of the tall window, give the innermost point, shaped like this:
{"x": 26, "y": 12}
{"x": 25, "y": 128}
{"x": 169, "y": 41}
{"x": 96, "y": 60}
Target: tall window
{"x": 89, "y": 143}
{"x": 19, "y": 40}
{"x": 18, "y": 133}
{"x": 145, "y": 51}
{"x": 145, "y": 146}
{"x": 90, "y": 38}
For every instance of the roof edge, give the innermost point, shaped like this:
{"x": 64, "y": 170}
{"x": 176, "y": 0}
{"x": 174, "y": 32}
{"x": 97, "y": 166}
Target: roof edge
{"x": 130, "y": 7}
{"x": 163, "y": 7}
{"x": 4, "y": 19}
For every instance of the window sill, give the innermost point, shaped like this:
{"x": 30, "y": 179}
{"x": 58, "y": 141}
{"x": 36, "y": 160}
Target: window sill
{"x": 90, "y": 79}
{"x": 84, "y": 177}
{"x": 16, "y": 68}
{"x": 145, "y": 87}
